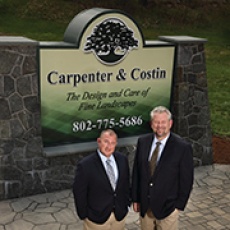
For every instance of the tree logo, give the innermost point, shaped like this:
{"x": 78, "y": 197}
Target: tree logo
{"x": 111, "y": 41}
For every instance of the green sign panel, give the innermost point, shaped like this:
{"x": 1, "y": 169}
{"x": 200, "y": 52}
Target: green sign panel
{"x": 104, "y": 75}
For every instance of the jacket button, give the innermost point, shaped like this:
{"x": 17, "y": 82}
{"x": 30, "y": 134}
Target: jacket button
{"x": 151, "y": 184}
{"x": 115, "y": 194}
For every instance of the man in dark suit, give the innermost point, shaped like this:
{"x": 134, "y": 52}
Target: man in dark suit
{"x": 161, "y": 186}
{"x": 100, "y": 201}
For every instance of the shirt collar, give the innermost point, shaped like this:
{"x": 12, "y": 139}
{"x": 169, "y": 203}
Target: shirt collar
{"x": 103, "y": 157}
{"x": 163, "y": 142}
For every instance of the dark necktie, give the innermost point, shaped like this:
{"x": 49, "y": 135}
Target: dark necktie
{"x": 110, "y": 173}
{"x": 153, "y": 160}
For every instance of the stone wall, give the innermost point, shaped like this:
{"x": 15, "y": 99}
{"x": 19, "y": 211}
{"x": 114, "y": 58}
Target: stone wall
{"x": 190, "y": 105}
{"x": 24, "y": 168}
{"x": 20, "y": 136}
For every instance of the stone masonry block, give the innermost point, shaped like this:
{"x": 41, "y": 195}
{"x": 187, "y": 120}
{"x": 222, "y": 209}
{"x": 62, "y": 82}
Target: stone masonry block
{"x": 5, "y": 109}
{"x": 16, "y": 103}
{"x": 4, "y": 129}
{"x": 16, "y": 128}
{"x": 10, "y": 173}
{"x": 7, "y": 60}
{"x": 31, "y": 103}
{"x": 24, "y": 86}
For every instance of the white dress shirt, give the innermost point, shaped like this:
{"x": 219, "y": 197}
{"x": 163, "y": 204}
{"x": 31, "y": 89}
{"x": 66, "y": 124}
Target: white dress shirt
{"x": 112, "y": 162}
{"x": 161, "y": 147}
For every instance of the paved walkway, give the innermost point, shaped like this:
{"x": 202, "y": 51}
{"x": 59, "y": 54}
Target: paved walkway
{"x": 208, "y": 207}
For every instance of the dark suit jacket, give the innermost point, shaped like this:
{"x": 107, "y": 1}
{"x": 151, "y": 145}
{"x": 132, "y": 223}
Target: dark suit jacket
{"x": 94, "y": 197}
{"x": 172, "y": 182}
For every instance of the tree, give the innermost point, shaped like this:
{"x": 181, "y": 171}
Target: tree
{"x": 111, "y": 40}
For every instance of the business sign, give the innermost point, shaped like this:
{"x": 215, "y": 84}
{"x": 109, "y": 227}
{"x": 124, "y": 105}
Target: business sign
{"x": 104, "y": 75}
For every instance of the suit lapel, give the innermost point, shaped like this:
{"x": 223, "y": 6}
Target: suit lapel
{"x": 101, "y": 169}
{"x": 119, "y": 168}
{"x": 148, "y": 143}
{"x": 167, "y": 149}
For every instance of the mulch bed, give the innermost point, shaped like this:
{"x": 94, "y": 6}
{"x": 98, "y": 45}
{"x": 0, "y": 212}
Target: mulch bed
{"x": 221, "y": 150}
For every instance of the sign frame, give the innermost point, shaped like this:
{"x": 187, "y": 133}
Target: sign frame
{"x": 72, "y": 41}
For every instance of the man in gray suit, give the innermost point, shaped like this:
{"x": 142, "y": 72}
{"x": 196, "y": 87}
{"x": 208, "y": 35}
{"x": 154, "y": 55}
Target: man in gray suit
{"x": 162, "y": 174}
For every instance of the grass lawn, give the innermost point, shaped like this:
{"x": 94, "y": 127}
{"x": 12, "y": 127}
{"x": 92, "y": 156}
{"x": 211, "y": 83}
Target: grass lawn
{"x": 47, "y": 21}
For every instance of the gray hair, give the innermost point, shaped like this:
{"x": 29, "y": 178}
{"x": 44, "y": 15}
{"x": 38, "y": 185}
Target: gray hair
{"x": 160, "y": 109}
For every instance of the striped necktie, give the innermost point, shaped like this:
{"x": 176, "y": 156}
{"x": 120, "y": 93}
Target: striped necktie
{"x": 110, "y": 173}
